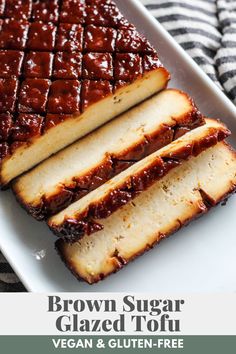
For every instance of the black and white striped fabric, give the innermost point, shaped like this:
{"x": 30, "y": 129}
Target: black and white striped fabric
{"x": 206, "y": 29}
{"x": 8, "y": 280}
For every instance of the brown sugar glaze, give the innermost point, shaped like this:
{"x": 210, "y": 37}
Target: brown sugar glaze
{"x": 86, "y": 222}
{"x": 57, "y": 58}
{"x": 110, "y": 166}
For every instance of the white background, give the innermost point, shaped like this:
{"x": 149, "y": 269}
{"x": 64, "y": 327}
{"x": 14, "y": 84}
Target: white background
{"x": 26, "y": 314}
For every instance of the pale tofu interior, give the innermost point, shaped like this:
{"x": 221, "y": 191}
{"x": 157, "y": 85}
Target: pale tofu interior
{"x": 158, "y": 211}
{"x": 77, "y": 209}
{"x": 72, "y": 129}
{"x": 115, "y": 137}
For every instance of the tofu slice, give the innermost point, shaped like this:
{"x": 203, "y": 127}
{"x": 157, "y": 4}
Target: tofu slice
{"x": 83, "y": 217}
{"x": 88, "y": 163}
{"x": 185, "y": 193}
{"x": 26, "y": 155}
{"x": 78, "y": 73}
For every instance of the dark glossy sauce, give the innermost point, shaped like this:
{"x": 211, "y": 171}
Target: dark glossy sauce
{"x": 59, "y": 57}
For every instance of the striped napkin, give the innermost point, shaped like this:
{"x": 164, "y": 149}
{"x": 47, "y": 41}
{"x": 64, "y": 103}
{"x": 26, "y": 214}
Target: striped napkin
{"x": 8, "y": 280}
{"x": 206, "y": 29}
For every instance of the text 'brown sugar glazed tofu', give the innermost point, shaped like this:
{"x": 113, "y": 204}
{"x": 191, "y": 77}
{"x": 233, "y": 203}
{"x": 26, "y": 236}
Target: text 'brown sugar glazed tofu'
{"x": 185, "y": 193}
{"x": 66, "y": 68}
{"x": 84, "y": 216}
{"x": 82, "y": 167}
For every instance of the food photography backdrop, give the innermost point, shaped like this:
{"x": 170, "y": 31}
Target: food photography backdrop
{"x": 206, "y": 29}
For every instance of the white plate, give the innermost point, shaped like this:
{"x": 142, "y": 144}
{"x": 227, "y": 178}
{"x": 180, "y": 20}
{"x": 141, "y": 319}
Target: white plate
{"x": 200, "y": 258}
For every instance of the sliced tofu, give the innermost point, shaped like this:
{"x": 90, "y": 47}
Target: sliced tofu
{"x": 85, "y": 165}
{"x": 82, "y": 217}
{"x": 37, "y": 149}
{"x": 185, "y": 193}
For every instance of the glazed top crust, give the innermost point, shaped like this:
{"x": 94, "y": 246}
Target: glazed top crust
{"x": 57, "y": 58}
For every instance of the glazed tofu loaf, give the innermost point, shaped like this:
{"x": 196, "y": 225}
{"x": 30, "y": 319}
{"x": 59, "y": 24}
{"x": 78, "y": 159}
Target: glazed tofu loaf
{"x": 88, "y": 163}
{"x": 66, "y": 68}
{"x": 185, "y": 193}
{"x": 83, "y": 217}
